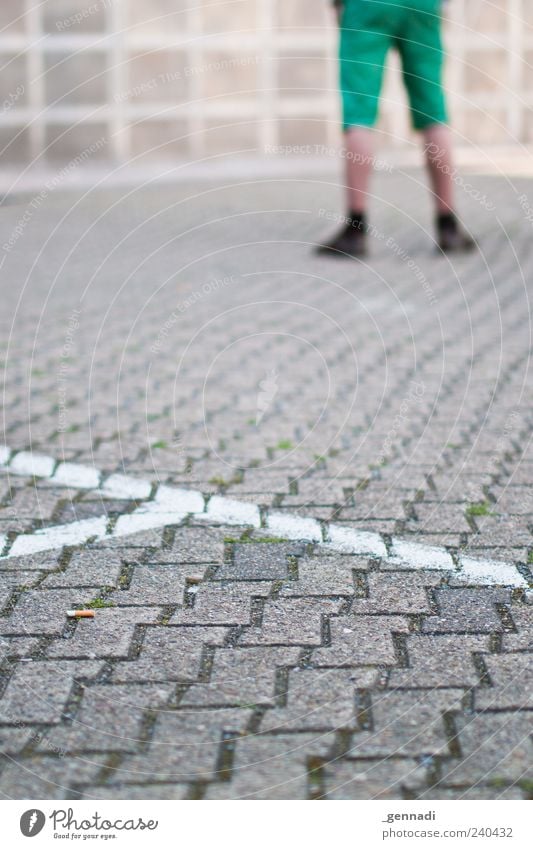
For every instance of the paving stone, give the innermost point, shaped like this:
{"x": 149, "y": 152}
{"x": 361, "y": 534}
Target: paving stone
{"x": 146, "y": 539}
{"x": 361, "y": 640}
{"x": 34, "y": 504}
{"x": 45, "y": 611}
{"x": 10, "y": 581}
{"x": 464, "y": 794}
{"x": 366, "y": 779}
{"x": 512, "y": 680}
{"x": 242, "y": 677}
{"x": 496, "y": 747}
{"x": 448, "y": 518}
{"x": 407, "y": 724}
{"x": 110, "y": 634}
{"x": 325, "y": 576}
{"x": 258, "y": 562}
{"x": 403, "y": 593}
{"x": 319, "y": 699}
{"x": 87, "y": 569}
{"x": 130, "y": 792}
{"x": 184, "y": 747}
{"x": 441, "y": 660}
{"x": 291, "y": 622}
{"x": 193, "y": 545}
{"x": 38, "y": 691}
{"x": 19, "y": 646}
{"x": 48, "y": 777}
{"x": 522, "y": 617}
{"x": 43, "y": 561}
{"x": 155, "y": 584}
{"x": 272, "y": 767}
{"x": 13, "y": 740}
{"x": 222, "y": 604}
{"x": 467, "y": 610}
{"x": 109, "y": 718}
{"x": 170, "y": 653}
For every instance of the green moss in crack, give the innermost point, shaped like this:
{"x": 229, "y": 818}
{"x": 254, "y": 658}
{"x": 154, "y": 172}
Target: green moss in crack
{"x": 478, "y": 508}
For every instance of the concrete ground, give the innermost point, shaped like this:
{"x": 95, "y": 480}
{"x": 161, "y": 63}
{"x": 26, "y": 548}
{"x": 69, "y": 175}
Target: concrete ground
{"x": 163, "y": 338}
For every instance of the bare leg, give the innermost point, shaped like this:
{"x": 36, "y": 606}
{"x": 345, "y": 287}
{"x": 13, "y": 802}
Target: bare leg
{"x": 359, "y": 160}
{"x": 438, "y": 147}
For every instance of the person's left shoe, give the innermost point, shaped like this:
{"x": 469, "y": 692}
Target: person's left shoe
{"x": 350, "y": 241}
{"x": 451, "y": 237}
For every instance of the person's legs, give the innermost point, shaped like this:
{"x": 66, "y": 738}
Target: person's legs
{"x": 365, "y": 38}
{"x": 439, "y": 160}
{"x": 359, "y": 161}
{"x": 421, "y": 51}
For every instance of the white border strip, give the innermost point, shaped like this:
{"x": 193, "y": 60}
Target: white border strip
{"x": 171, "y": 505}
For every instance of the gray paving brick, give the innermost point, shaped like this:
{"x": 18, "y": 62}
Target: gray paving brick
{"x": 467, "y": 610}
{"x": 401, "y": 593}
{"x": 13, "y": 740}
{"x": 522, "y": 617}
{"x": 319, "y": 699}
{"x": 272, "y": 766}
{"x": 325, "y": 576}
{"x": 258, "y": 562}
{"x": 291, "y": 622}
{"x": 87, "y": 569}
{"x": 184, "y": 747}
{"x": 367, "y": 779}
{"x": 109, "y": 718}
{"x": 407, "y": 724}
{"x": 222, "y": 604}
{"x": 242, "y": 677}
{"x": 193, "y": 545}
{"x": 48, "y": 777}
{"x": 38, "y": 692}
{"x": 109, "y": 634}
{"x": 361, "y": 640}
{"x": 495, "y": 748}
{"x": 44, "y": 611}
{"x": 441, "y": 660}
{"x": 512, "y": 680}
{"x": 170, "y": 653}
{"x": 130, "y": 792}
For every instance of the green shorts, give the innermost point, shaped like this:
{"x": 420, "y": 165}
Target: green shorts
{"x": 369, "y": 28}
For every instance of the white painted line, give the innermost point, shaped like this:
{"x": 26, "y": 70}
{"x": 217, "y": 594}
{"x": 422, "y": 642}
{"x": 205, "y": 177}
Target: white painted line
{"x": 492, "y": 572}
{"x": 172, "y": 505}
{"x": 56, "y": 537}
{"x": 421, "y": 556}
{"x": 352, "y": 541}
{"x": 33, "y": 465}
{"x": 145, "y": 520}
{"x": 76, "y": 476}
{"x": 187, "y": 500}
{"x": 230, "y": 512}
{"x": 294, "y": 527}
{"x": 124, "y": 486}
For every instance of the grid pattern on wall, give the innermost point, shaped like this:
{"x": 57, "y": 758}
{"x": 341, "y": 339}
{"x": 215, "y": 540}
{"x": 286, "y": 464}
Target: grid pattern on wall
{"x": 181, "y": 78}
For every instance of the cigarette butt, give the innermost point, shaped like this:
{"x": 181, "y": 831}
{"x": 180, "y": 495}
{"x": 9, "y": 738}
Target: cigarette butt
{"x": 80, "y": 614}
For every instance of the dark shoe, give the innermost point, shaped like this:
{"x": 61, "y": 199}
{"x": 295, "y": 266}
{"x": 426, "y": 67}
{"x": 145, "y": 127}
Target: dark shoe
{"x": 350, "y": 241}
{"x": 451, "y": 238}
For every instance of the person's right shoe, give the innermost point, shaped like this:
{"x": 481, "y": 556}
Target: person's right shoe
{"x": 451, "y": 238}
{"x": 350, "y": 241}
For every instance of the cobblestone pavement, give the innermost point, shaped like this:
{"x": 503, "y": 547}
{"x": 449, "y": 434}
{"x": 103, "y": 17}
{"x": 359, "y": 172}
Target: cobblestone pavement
{"x": 185, "y": 335}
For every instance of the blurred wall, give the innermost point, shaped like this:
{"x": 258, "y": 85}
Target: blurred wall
{"x": 122, "y": 79}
